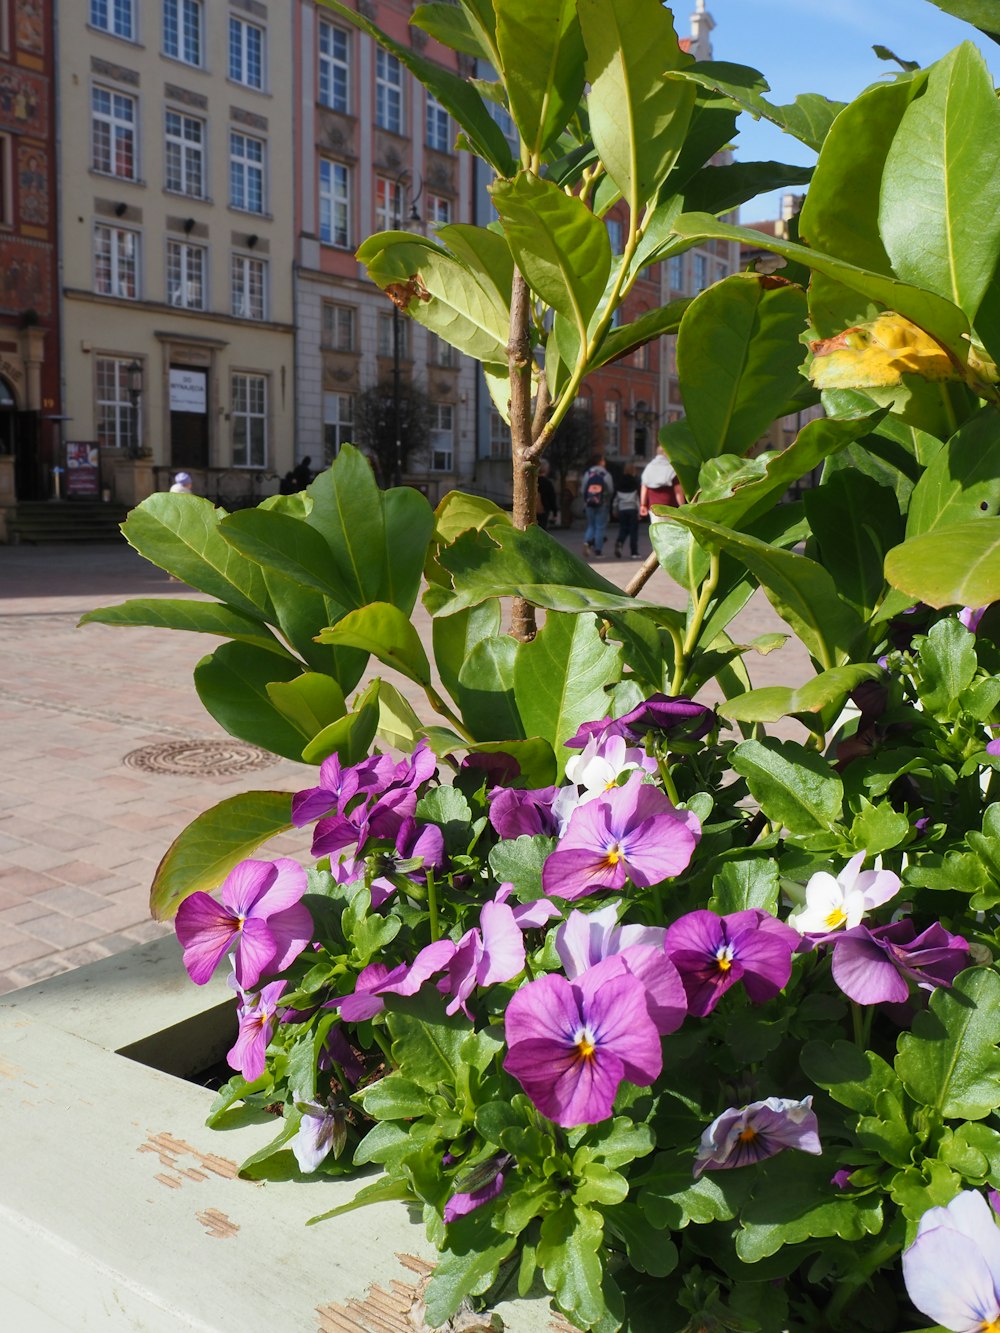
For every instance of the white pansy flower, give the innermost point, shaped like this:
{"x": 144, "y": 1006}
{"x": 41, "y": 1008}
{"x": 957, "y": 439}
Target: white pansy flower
{"x": 839, "y": 901}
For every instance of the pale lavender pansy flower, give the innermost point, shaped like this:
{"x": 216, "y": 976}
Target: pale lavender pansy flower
{"x": 952, "y": 1269}
{"x": 322, "y": 1130}
{"x": 744, "y": 1135}
{"x": 632, "y": 832}
{"x": 480, "y": 1186}
{"x": 877, "y": 966}
{"x": 602, "y": 762}
{"x": 377, "y": 980}
{"x": 258, "y": 1018}
{"x": 260, "y": 913}
{"x": 843, "y": 900}
{"x": 572, "y": 1043}
{"x": 713, "y": 952}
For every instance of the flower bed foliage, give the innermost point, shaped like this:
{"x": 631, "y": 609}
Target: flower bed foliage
{"x": 695, "y": 1025}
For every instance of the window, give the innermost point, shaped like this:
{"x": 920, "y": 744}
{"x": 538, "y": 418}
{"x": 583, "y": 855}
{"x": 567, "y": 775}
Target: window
{"x": 113, "y": 133}
{"x": 334, "y": 203}
{"x": 114, "y": 16}
{"x": 338, "y": 324}
{"x": 246, "y": 172}
{"x": 7, "y": 183}
{"x": 640, "y": 357}
{"x": 114, "y": 411}
{"x": 334, "y": 67}
{"x": 249, "y": 287}
{"x": 499, "y": 435}
{"x": 612, "y": 426}
{"x": 388, "y": 204}
{"x": 700, "y": 273}
{"x": 388, "y": 92}
{"x": 438, "y": 128}
{"x": 246, "y": 53}
{"x": 185, "y": 275}
{"x": 387, "y": 323}
{"x": 442, "y": 436}
{"x": 675, "y": 273}
{"x": 182, "y": 30}
{"x": 338, "y": 423}
{"x": 438, "y": 210}
{"x": 616, "y": 235}
{"x": 441, "y": 353}
{"x": 116, "y": 262}
{"x": 185, "y": 154}
{"x": 248, "y": 414}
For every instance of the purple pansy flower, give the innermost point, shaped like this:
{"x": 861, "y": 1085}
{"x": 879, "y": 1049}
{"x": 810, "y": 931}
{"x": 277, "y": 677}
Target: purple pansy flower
{"x": 876, "y": 966}
{"x": 993, "y": 746}
{"x": 713, "y": 952}
{"x": 486, "y": 955}
{"x": 514, "y": 813}
{"x": 322, "y": 1130}
{"x": 633, "y": 832}
{"x": 377, "y": 980}
{"x": 481, "y": 1186}
{"x": 395, "y": 789}
{"x": 423, "y": 842}
{"x": 260, "y": 913}
{"x": 748, "y": 1134}
{"x": 970, "y": 616}
{"x": 338, "y": 785}
{"x": 258, "y": 1018}
{"x": 571, "y": 1043}
{"x": 674, "y": 715}
{"x": 952, "y": 1269}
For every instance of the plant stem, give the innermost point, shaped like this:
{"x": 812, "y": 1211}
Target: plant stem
{"x": 383, "y": 1045}
{"x": 520, "y": 363}
{"x": 705, "y": 595}
{"x": 441, "y": 706}
{"x": 432, "y": 905}
{"x": 663, "y": 763}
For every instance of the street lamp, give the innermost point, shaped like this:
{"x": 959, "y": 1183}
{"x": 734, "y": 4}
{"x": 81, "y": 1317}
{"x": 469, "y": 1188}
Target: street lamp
{"x": 644, "y": 418}
{"x": 413, "y": 220}
{"x": 133, "y": 383}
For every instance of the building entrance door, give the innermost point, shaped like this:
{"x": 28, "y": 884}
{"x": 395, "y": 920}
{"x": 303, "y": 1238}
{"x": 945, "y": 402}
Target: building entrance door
{"x": 188, "y": 417}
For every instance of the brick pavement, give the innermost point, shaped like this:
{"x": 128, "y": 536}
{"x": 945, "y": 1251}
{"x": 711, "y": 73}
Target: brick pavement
{"x": 81, "y": 834}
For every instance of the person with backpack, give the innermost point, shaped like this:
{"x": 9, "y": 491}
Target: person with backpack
{"x": 597, "y": 489}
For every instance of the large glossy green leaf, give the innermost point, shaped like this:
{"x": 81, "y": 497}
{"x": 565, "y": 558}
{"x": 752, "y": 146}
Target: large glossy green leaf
{"x": 855, "y": 521}
{"x": 384, "y": 631}
{"x": 982, "y": 14}
{"x": 180, "y": 533}
{"x": 651, "y": 324}
{"x": 940, "y": 203}
{"x": 232, "y": 684}
{"x": 486, "y": 690}
{"x": 962, "y": 480}
{"x": 561, "y": 679}
{"x": 455, "y": 94}
{"x": 276, "y": 541}
{"x": 932, "y": 312}
{"x": 807, "y": 119}
{"x": 455, "y": 636}
{"x": 950, "y": 1061}
{"x": 777, "y": 701}
{"x": 485, "y": 253}
{"x": 951, "y": 566}
{"x": 558, "y": 244}
{"x": 186, "y": 614}
{"x": 851, "y": 163}
{"x": 301, "y": 612}
{"x": 801, "y": 591}
{"x": 449, "y": 24}
{"x": 310, "y": 702}
{"x": 202, "y": 856}
{"x": 637, "y": 117}
{"x": 717, "y": 189}
{"x": 541, "y": 53}
{"x": 795, "y": 787}
{"x": 350, "y": 737}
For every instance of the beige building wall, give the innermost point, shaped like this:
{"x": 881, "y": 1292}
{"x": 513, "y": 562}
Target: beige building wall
{"x": 176, "y": 199}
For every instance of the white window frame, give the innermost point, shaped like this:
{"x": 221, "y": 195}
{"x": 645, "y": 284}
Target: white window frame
{"x": 390, "y": 201}
{"x": 187, "y": 275}
{"x": 334, "y": 82}
{"x": 612, "y": 427}
{"x": 442, "y": 353}
{"x": 188, "y": 154}
{"x": 675, "y": 273}
{"x": 244, "y": 167}
{"x": 334, "y": 195}
{"x": 338, "y": 423}
{"x": 387, "y": 321}
{"x": 390, "y": 109}
{"x": 700, "y": 273}
{"x": 118, "y": 240}
{"x": 238, "y": 55}
{"x": 117, "y": 409}
{"x": 500, "y": 444}
{"x": 437, "y": 126}
{"x": 246, "y": 412}
{"x": 119, "y": 127}
{"x": 182, "y": 40}
{"x": 439, "y": 210}
{"x": 339, "y": 326}
{"x": 248, "y": 277}
{"x": 442, "y": 437}
{"x": 116, "y": 17}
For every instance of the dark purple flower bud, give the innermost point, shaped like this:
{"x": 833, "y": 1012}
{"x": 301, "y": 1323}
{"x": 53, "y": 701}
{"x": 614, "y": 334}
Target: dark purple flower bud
{"x": 675, "y": 715}
{"x": 481, "y": 1186}
{"x": 841, "y": 1179}
{"x": 602, "y": 730}
{"x": 502, "y": 769}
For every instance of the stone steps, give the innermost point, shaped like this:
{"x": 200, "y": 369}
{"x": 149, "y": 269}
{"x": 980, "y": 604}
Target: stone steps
{"x": 45, "y": 522}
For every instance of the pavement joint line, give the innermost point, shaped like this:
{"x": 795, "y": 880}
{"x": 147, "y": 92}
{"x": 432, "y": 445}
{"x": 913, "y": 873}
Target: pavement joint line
{"x": 103, "y": 715}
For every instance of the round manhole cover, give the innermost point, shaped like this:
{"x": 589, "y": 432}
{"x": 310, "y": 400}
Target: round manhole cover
{"x": 200, "y": 758}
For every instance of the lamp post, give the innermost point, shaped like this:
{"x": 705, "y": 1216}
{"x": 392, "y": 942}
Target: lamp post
{"x": 412, "y": 219}
{"x": 133, "y": 382}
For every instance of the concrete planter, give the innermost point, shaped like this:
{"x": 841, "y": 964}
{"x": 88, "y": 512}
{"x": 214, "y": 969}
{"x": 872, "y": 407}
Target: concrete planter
{"x": 121, "y": 1210}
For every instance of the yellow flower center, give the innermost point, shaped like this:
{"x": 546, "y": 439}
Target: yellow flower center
{"x": 992, "y": 1327}
{"x": 747, "y": 1135}
{"x": 613, "y": 855}
{"x": 585, "y": 1043}
{"x": 836, "y": 918}
{"x": 724, "y": 957}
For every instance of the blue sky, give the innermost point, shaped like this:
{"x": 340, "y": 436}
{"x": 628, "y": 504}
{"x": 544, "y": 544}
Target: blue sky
{"x": 822, "y": 46}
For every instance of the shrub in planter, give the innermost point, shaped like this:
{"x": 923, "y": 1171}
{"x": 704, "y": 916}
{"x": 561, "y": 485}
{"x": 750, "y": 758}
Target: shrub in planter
{"x": 695, "y": 1024}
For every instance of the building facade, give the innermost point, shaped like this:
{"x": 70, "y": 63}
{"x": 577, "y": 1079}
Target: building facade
{"x": 30, "y": 398}
{"x": 374, "y": 152}
{"x": 177, "y": 226}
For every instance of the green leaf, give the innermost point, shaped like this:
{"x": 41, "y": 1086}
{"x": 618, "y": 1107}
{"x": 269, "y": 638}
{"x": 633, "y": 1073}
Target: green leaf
{"x": 468, "y": 1266}
{"x": 620, "y": 341}
{"x": 738, "y": 358}
{"x": 201, "y": 617}
{"x": 717, "y": 189}
{"x": 519, "y": 861}
{"x": 455, "y": 94}
{"x": 947, "y": 666}
{"x": 981, "y": 14}
{"x": 569, "y": 1253}
{"x": 671, "y": 1198}
{"x": 648, "y": 1251}
{"x": 393, "y": 1098}
{"x": 426, "y": 1043}
{"x": 541, "y": 53}
{"x": 202, "y": 855}
{"x": 288, "y": 545}
{"x": 300, "y": 613}
{"x": 486, "y": 690}
{"x": 449, "y": 810}
{"x": 449, "y": 25}
{"x": 558, "y": 244}
{"x": 793, "y": 1202}
{"x": 233, "y": 683}
{"x": 807, "y": 119}
{"x": 350, "y": 737}
{"x": 398, "y": 725}
{"x": 853, "y": 1077}
{"x": 822, "y": 691}
{"x": 855, "y": 521}
{"x": 878, "y": 828}
{"x": 916, "y": 1189}
{"x": 386, "y": 632}
{"x": 561, "y": 679}
{"x": 939, "y": 213}
{"x": 957, "y": 565}
{"x": 310, "y": 701}
{"x": 745, "y": 884}
{"x": 960, "y": 482}
{"x": 534, "y": 758}
{"x": 795, "y": 787}
{"x": 455, "y": 636}
{"x": 180, "y": 533}
{"x": 950, "y": 1061}
{"x": 387, "y": 1189}
{"x": 637, "y": 117}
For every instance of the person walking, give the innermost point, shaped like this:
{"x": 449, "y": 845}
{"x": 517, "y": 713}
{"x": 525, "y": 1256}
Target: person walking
{"x": 546, "y": 506}
{"x": 598, "y": 489}
{"x": 659, "y": 486}
{"x": 627, "y": 505}
{"x": 182, "y": 484}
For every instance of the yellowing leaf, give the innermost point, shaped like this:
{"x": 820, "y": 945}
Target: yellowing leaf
{"x": 877, "y": 355}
